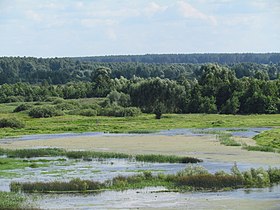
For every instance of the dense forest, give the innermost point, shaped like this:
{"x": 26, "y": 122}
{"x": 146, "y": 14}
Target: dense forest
{"x": 64, "y": 70}
{"x": 213, "y": 88}
{"x": 221, "y": 58}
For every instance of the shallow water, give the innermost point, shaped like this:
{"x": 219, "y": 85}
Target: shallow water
{"x": 265, "y": 198}
{"x": 244, "y": 132}
{"x": 101, "y": 170}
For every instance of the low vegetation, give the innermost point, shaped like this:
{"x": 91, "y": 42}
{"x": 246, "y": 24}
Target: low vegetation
{"x": 10, "y": 201}
{"x": 11, "y": 123}
{"x": 44, "y": 111}
{"x": 50, "y": 152}
{"x": 192, "y": 178}
{"x": 269, "y": 138}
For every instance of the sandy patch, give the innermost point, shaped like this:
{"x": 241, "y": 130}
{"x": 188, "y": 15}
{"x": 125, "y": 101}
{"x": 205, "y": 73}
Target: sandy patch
{"x": 206, "y": 147}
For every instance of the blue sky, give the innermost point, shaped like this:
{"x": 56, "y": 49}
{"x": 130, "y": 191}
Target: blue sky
{"x": 49, "y": 28}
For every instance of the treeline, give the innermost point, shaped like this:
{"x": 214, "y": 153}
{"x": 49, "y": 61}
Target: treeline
{"x": 221, "y": 58}
{"x": 216, "y": 90}
{"x": 65, "y": 70}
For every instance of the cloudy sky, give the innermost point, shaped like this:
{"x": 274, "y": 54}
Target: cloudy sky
{"x": 48, "y": 28}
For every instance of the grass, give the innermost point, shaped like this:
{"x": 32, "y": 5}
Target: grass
{"x": 10, "y": 200}
{"x": 88, "y": 155}
{"x": 260, "y": 148}
{"x": 224, "y": 137}
{"x": 144, "y": 123}
{"x": 166, "y": 159}
{"x": 269, "y": 138}
{"x": 227, "y": 139}
{"x": 190, "y": 179}
{"x": 10, "y": 164}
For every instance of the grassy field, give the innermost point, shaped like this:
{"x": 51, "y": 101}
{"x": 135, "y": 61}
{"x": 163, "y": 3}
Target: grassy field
{"x": 141, "y": 124}
{"x": 269, "y": 138}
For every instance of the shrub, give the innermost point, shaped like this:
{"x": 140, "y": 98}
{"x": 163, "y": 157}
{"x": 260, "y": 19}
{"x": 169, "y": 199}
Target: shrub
{"x": 88, "y": 112}
{"x": 22, "y": 107}
{"x": 11, "y": 99}
{"x": 274, "y": 175}
{"x": 65, "y": 106}
{"x": 58, "y": 101}
{"x": 192, "y": 170}
{"x": 210, "y": 181}
{"x": 44, "y": 111}
{"x": 131, "y": 111}
{"x": 11, "y": 123}
{"x": 118, "y": 111}
{"x": 53, "y": 99}
{"x": 74, "y": 185}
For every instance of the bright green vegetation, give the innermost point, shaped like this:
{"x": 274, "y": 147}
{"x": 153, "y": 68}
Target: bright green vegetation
{"x": 260, "y": 148}
{"x": 191, "y": 178}
{"x": 144, "y": 123}
{"x": 224, "y": 137}
{"x": 11, "y": 163}
{"x": 10, "y": 200}
{"x": 269, "y": 138}
{"x": 88, "y": 155}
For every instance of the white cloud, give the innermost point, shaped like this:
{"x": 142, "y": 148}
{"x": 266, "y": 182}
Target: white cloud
{"x": 153, "y": 8}
{"x": 188, "y": 11}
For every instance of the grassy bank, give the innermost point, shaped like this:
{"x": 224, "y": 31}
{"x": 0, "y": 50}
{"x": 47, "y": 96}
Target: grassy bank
{"x": 144, "y": 123}
{"x": 10, "y": 200}
{"x": 87, "y": 155}
{"x": 269, "y": 138}
{"x": 191, "y": 178}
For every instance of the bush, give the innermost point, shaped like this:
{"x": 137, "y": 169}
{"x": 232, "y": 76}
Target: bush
{"x": 54, "y": 100}
{"x": 191, "y": 170}
{"x": 65, "y": 106}
{"x": 44, "y": 111}
{"x": 118, "y": 111}
{"x": 11, "y": 99}
{"x": 88, "y": 112}
{"x": 22, "y": 107}
{"x": 210, "y": 181}
{"x": 274, "y": 175}
{"x": 58, "y": 101}
{"x": 11, "y": 123}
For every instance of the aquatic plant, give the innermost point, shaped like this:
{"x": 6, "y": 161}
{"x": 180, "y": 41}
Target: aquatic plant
{"x": 195, "y": 178}
{"x": 210, "y": 181}
{"x": 166, "y": 158}
{"x": 10, "y": 200}
{"x": 259, "y": 148}
{"x": 43, "y": 152}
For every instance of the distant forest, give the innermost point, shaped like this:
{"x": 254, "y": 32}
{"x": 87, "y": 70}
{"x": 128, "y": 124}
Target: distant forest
{"x": 233, "y": 88}
{"x": 173, "y": 67}
{"x": 221, "y": 58}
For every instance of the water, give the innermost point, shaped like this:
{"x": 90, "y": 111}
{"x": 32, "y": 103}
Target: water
{"x": 244, "y": 132}
{"x": 100, "y": 170}
{"x": 264, "y": 198}
{"x": 155, "y": 197}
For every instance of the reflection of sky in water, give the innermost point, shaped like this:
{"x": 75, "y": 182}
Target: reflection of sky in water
{"x": 242, "y": 132}
{"x": 103, "y": 170}
{"x": 154, "y": 198}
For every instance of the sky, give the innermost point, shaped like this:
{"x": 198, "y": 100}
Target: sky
{"x": 62, "y": 28}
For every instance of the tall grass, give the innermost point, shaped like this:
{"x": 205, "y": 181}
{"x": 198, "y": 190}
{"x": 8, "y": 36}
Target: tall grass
{"x": 190, "y": 179}
{"x": 260, "y": 148}
{"x": 43, "y": 152}
{"x": 166, "y": 158}
{"x": 10, "y": 200}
